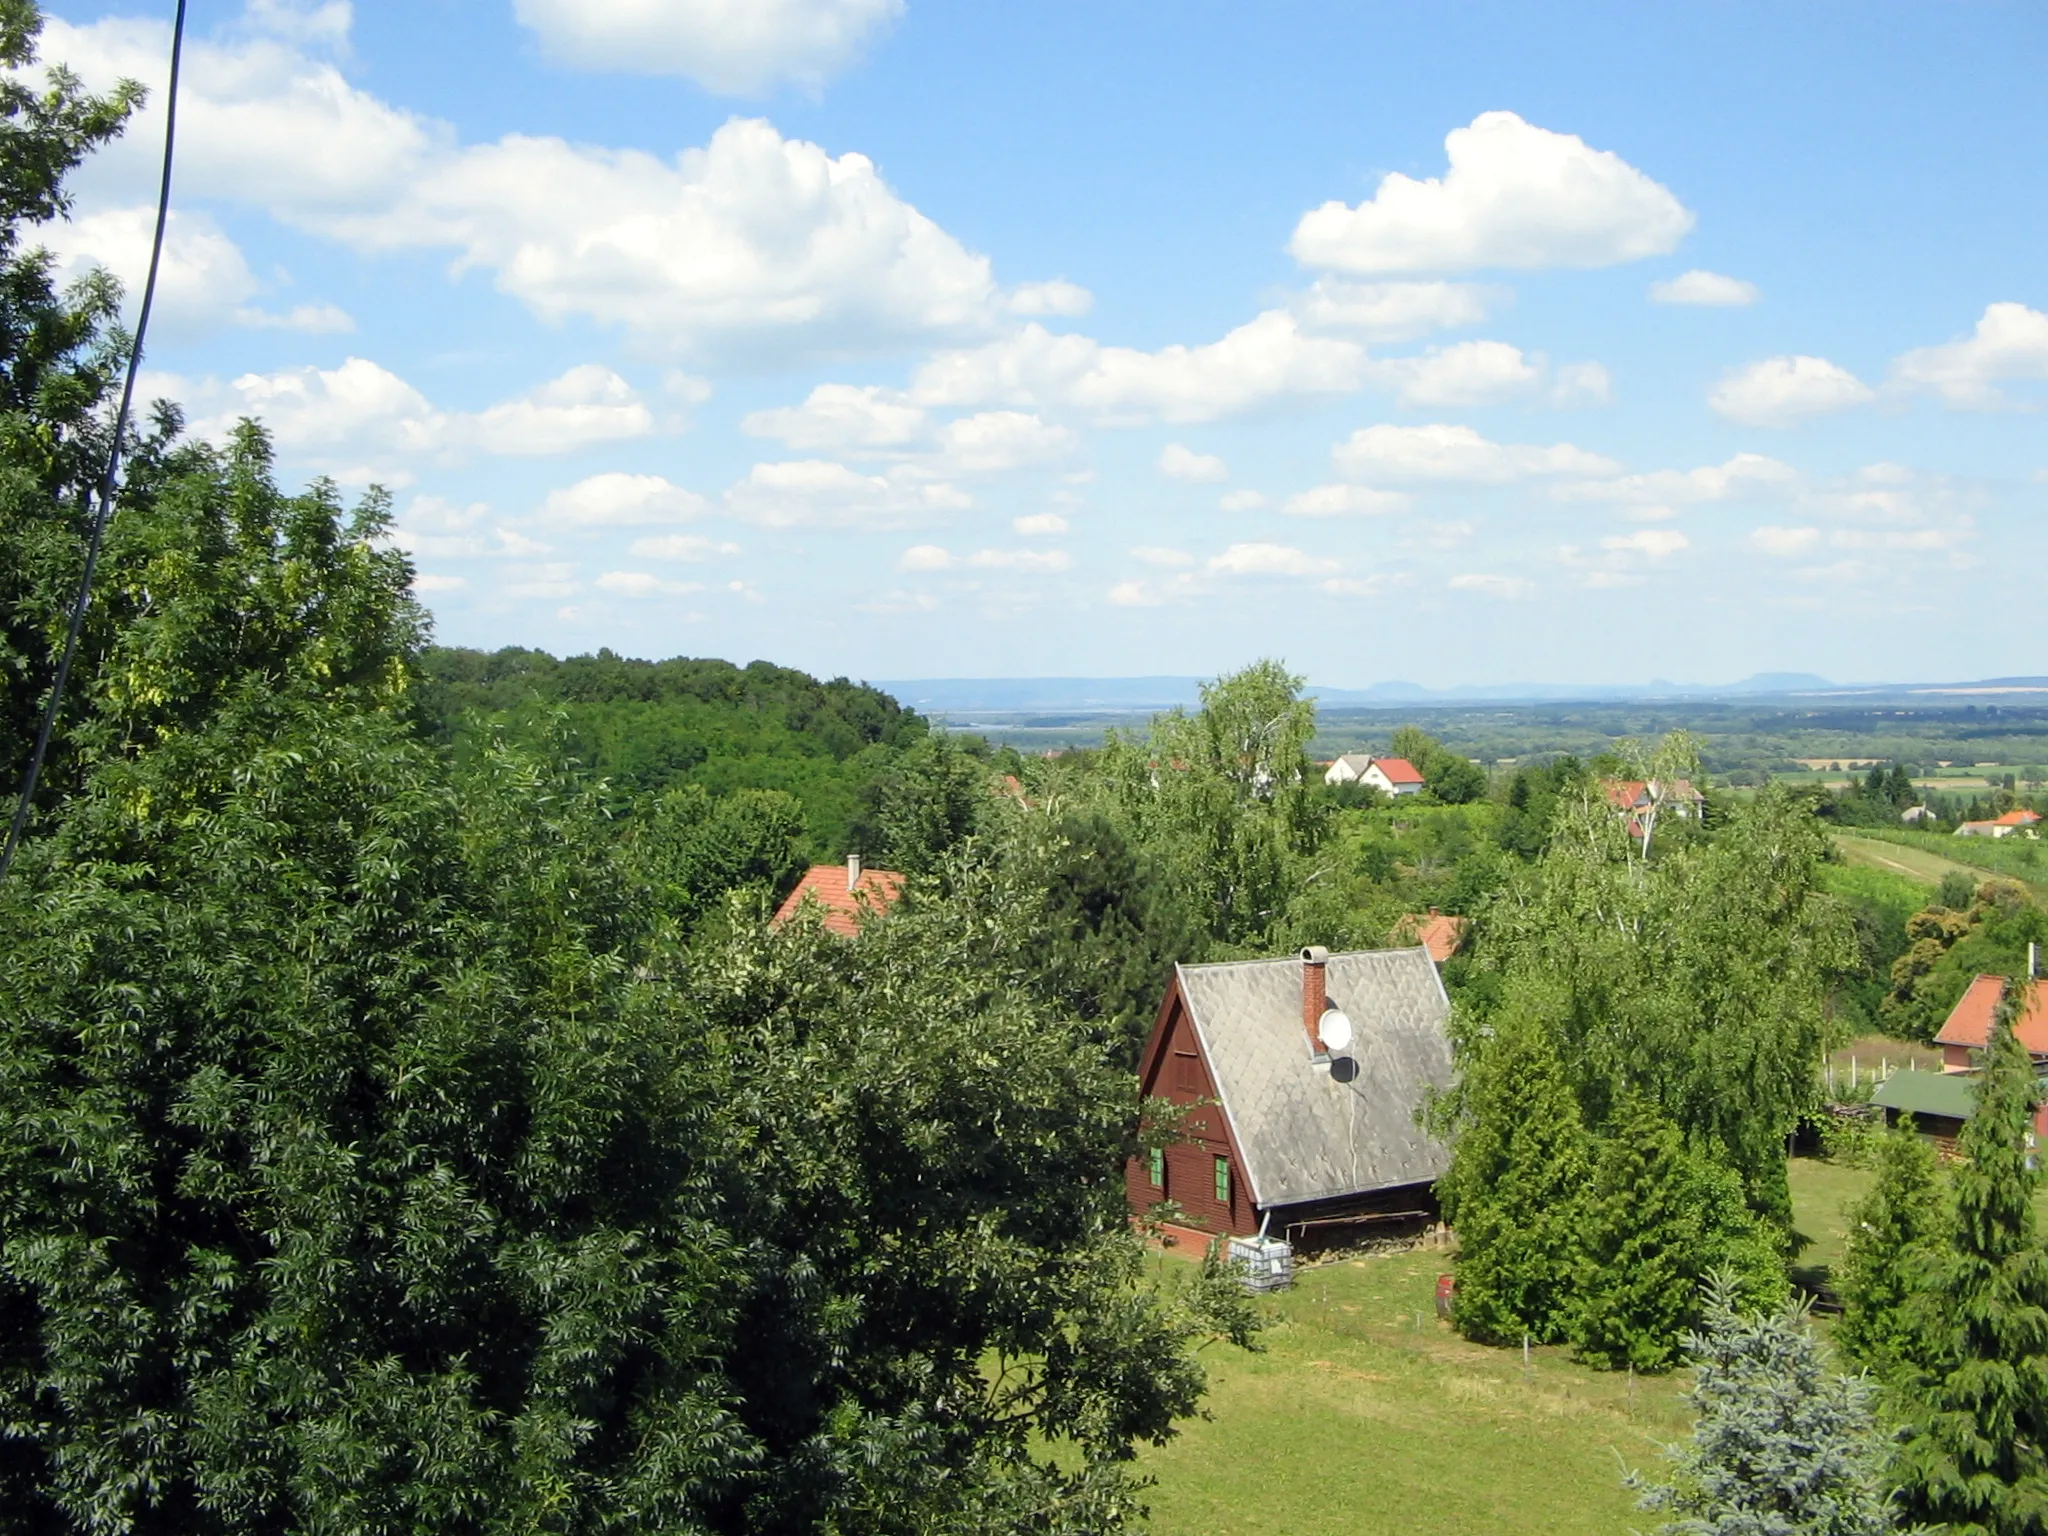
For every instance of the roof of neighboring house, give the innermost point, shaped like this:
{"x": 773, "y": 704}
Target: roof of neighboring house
{"x": 1437, "y": 932}
{"x": 1951, "y": 1095}
{"x": 2016, "y": 819}
{"x": 1633, "y": 794}
{"x": 1398, "y": 770}
{"x": 1357, "y": 762}
{"x": 1969, "y": 1022}
{"x": 844, "y": 910}
{"x": 1626, "y": 794}
{"x": 1305, "y": 1131}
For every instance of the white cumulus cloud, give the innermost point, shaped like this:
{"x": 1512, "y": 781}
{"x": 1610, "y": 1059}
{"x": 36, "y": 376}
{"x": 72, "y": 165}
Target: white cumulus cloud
{"x": 1267, "y": 357}
{"x": 1392, "y": 311}
{"x": 616, "y": 499}
{"x": 1056, "y": 297}
{"x": 644, "y": 584}
{"x": 1784, "y": 391}
{"x": 840, "y": 418}
{"x": 1443, "y": 451}
{"x": 2010, "y": 343}
{"x": 1490, "y": 585}
{"x": 587, "y": 405}
{"x": 1514, "y": 195}
{"x": 752, "y": 239}
{"x": 1702, "y": 287}
{"x": 729, "y": 47}
{"x": 1345, "y": 501}
{"x": 821, "y": 493}
{"x": 693, "y": 547}
{"x": 360, "y": 421}
{"x": 1784, "y": 543}
{"x": 1262, "y": 559}
{"x": 1650, "y": 543}
{"x": 934, "y": 557}
{"x": 1038, "y": 525}
{"x": 203, "y": 281}
{"x": 1179, "y": 462}
{"x": 1742, "y": 474}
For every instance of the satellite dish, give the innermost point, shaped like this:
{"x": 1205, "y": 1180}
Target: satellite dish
{"x": 1335, "y": 1029}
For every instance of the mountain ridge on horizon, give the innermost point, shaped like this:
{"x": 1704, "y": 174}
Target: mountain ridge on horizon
{"x": 1122, "y": 694}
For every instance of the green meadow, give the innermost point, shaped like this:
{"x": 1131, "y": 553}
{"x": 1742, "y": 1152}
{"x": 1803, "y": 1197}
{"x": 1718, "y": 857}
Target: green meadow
{"x": 1364, "y": 1415}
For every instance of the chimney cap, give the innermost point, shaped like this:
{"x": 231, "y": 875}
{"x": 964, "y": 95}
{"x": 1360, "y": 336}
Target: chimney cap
{"x": 1314, "y": 954}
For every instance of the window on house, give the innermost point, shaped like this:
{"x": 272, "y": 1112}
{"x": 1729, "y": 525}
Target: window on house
{"x": 1223, "y": 1181}
{"x": 1157, "y": 1159}
{"x": 1187, "y": 1072}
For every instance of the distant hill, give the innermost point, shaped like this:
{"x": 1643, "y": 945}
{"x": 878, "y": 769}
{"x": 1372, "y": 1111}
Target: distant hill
{"x": 1081, "y": 696}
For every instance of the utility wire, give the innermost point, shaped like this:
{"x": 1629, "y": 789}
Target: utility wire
{"x": 105, "y": 509}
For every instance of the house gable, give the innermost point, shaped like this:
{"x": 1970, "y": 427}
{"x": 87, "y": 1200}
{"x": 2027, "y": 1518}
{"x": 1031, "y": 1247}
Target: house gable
{"x": 1175, "y": 1067}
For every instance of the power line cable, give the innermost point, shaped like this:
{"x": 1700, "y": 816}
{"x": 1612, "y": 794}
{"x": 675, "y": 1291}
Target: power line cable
{"x": 105, "y": 509}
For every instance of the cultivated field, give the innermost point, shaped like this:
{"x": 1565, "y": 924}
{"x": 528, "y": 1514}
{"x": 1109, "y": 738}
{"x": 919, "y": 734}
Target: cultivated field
{"x": 1913, "y": 863}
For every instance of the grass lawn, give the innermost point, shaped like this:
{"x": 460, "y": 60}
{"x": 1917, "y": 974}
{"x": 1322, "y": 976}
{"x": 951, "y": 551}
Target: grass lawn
{"x": 1364, "y": 1414}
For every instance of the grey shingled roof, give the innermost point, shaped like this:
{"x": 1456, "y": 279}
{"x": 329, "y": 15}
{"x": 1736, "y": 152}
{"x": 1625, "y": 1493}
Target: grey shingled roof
{"x": 1304, "y": 1133}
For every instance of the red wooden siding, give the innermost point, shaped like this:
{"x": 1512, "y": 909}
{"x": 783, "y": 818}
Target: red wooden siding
{"x": 1172, "y": 1068}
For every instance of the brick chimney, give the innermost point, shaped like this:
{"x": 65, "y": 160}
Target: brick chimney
{"x": 852, "y": 870}
{"x": 1315, "y": 996}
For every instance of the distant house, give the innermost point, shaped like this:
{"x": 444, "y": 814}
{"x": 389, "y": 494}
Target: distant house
{"x": 2003, "y": 826}
{"x": 1309, "y": 1131}
{"x": 1442, "y": 935}
{"x": 845, "y": 894}
{"x": 1642, "y": 801}
{"x": 1913, "y": 815}
{"x": 1348, "y": 769}
{"x": 1394, "y": 776}
{"x": 1967, "y": 1030}
{"x": 1388, "y": 775}
{"x": 1679, "y": 797}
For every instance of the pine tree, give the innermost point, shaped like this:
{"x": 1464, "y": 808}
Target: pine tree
{"x": 1894, "y": 1233}
{"x": 1782, "y": 1445}
{"x": 1514, "y": 1191}
{"x": 1660, "y": 1217}
{"x": 1978, "y": 1405}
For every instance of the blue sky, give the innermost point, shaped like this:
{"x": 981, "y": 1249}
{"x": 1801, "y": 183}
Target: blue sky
{"x": 1456, "y": 344}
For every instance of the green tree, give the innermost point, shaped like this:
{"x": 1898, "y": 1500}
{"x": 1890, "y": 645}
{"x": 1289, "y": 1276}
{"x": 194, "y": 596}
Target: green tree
{"x": 1697, "y": 978}
{"x": 1895, "y": 1233}
{"x": 1659, "y": 1219}
{"x": 1781, "y": 1444}
{"x": 693, "y": 850}
{"x": 1516, "y": 1187}
{"x": 1448, "y": 778}
{"x": 1223, "y": 800}
{"x": 927, "y": 804}
{"x": 59, "y": 361}
{"x": 1975, "y": 1456}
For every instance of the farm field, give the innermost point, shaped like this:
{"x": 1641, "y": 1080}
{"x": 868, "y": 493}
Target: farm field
{"x": 1913, "y": 863}
{"x": 1366, "y": 1415}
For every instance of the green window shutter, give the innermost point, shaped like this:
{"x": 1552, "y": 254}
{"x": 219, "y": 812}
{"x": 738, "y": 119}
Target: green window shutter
{"x": 1223, "y": 1181}
{"x": 1157, "y": 1158}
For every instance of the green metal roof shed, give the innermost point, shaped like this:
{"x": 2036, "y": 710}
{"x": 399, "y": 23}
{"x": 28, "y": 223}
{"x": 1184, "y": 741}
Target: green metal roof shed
{"x": 1949, "y": 1095}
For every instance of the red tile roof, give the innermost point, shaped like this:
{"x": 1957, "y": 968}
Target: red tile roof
{"x": 1626, "y": 794}
{"x": 2016, "y": 819}
{"x": 1969, "y": 1022}
{"x": 1398, "y": 770}
{"x": 844, "y": 910}
{"x": 1435, "y": 931}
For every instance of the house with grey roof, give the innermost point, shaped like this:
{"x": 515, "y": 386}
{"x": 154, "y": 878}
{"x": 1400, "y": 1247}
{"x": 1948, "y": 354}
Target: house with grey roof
{"x": 1305, "y": 1077}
